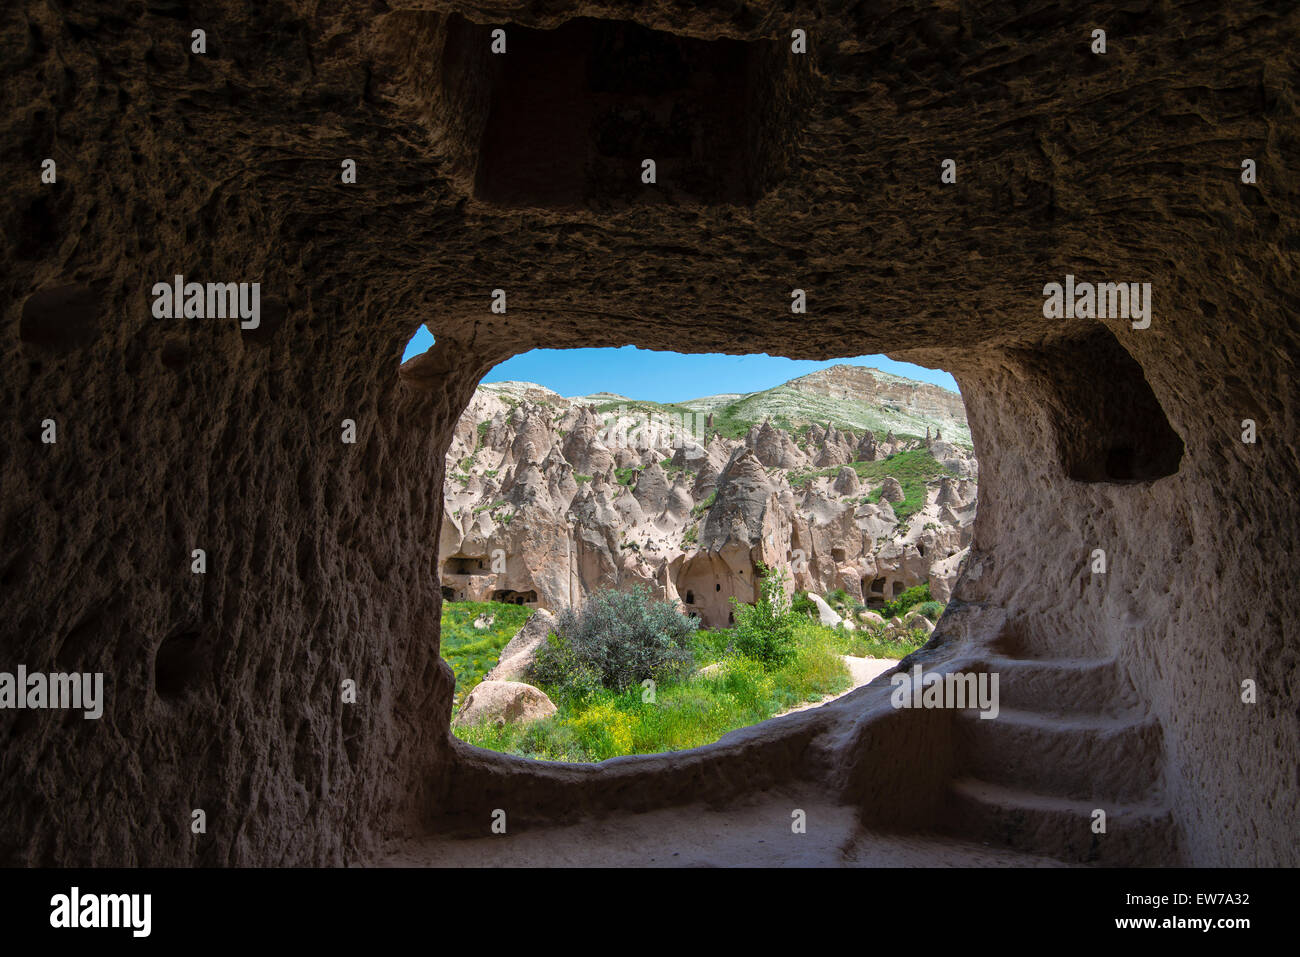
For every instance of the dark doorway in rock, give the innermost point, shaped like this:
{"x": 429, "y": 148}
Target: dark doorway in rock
{"x": 515, "y": 597}
{"x": 181, "y": 663}
{"x": 1109, "y": 424}
{"x": 574, "y": 111}
{"x": 461, "y": 565}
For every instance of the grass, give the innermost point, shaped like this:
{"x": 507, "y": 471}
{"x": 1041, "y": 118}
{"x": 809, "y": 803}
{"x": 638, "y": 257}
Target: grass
{"x": 684, "y": 714}
{"x": 867, "y": 644}
{"x": 913, "y": 469}
{"x": 731, "y": 423}
{"x": 916, "y": 595}
{"x": 701, "y": 507}
{"x": 634, "y": 406}
{"x": 674, "y": 470}
{"x": 472, "y": 653}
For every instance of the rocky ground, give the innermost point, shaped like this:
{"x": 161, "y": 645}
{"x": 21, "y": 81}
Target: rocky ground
{"x": 549, "y": 498}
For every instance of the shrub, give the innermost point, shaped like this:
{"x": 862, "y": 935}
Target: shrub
{"x": 838, "y": 598}
{"x": 765, "y": 630}
{"x": 801, "y": 604}
{"x": 931, "y": 609}
{"x": 913, "y": 596}
{"x": 619, "y": 639}
{"x": 557, "y": 663}
{"x": 707, "y": 504}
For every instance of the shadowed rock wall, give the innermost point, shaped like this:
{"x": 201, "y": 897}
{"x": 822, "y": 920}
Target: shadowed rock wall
{"x": 176, "y": 434}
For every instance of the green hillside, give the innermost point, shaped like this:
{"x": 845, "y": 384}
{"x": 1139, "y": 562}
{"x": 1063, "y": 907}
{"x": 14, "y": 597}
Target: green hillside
{"x": 795, "y": 409}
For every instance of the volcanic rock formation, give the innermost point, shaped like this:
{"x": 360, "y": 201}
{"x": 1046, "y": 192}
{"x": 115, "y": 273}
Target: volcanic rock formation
{"x": 130, "y": 442}
{"x": 549, "y": 535}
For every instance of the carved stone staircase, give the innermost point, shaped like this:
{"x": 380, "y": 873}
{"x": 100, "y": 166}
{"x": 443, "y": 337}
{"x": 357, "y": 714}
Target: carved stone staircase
{"x": 1071, "y": 737}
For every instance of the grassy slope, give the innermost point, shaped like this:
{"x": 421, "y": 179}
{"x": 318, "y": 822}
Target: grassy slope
{"x": 912, "y": 469}
{"x": 690, "y": 713}
{"x": 472, "y": 653}
{"x": 791, "y": 408}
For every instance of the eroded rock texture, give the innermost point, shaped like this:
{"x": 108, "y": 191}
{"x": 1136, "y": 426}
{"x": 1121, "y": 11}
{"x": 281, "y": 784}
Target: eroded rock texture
{"x": 689, "y": 514}
{"x": 223, "y": 689}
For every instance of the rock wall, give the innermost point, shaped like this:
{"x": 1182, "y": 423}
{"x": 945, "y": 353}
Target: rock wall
{"x": 223, "y": 689}
{"x": 692, "y": 516}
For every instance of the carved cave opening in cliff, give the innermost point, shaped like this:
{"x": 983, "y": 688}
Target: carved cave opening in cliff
{"x": 851, "y": 483}
{"x": 567, "y": 116}
{"x": 1108, "y": 423}
{"x": 463, "y": 565}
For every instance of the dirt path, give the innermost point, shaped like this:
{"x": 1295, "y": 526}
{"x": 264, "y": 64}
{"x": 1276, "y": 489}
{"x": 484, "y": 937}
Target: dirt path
{"x": 863, "y": 670}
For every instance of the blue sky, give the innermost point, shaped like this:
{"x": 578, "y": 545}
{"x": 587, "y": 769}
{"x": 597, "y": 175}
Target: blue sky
{"x": 668, "y": 376}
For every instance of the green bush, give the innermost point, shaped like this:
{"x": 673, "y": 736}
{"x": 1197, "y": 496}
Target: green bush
{"x": 618, "y": 640}
{"x": 931, "y": 609}
{"x": 872, "y": 643}
{"x": 702, "y": 507}
{"x": 558, "y": 663}
{"x": 913, "y": 596}
{"x": 765, "y": 630}
{"x": 802, "y": 605}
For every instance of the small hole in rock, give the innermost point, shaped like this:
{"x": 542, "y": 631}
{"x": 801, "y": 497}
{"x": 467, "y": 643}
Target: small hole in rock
{"x": 61, "y": 318}
{"x": 178, "y": 664}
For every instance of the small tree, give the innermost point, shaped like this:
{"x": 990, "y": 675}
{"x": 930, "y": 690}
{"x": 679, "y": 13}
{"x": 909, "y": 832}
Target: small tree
{"x": 619, "y": 639}
{"x": 765, "y": 630}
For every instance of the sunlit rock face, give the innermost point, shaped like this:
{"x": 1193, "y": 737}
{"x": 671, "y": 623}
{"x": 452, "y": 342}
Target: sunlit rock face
{"x": 223, "y": 689}
{"x": 516, "y": 530}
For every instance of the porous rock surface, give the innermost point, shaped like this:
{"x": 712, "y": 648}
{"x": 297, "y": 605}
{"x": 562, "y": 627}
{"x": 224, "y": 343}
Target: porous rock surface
{"x": 223, "y": 688}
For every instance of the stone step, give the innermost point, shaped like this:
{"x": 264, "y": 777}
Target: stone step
{"x": 1136, "y": 834}
{"x": 1083, "y": 756}
{"x": 1062, "y": 685}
